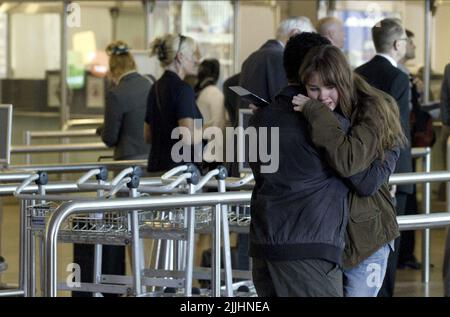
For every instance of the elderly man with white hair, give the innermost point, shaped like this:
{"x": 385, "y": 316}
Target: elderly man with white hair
{"x": 262, "y": 72}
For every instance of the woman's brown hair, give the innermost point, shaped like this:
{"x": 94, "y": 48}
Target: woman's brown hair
{"x": 358, "y": 100}
{"x": 120, "y": 59}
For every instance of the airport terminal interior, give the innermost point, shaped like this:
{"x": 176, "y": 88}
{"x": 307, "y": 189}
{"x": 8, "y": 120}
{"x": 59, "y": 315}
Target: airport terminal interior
{"x": 61, "y": 183}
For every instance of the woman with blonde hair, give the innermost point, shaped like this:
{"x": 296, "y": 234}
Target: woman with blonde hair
{"x": 171, "y": 105}
{"x": 374, "y": 133}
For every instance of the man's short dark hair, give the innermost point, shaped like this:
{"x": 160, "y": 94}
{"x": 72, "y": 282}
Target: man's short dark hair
{"x": 385, "y": 33}
{"x": 296, "y": 49}
{"x": 209, "y": 68}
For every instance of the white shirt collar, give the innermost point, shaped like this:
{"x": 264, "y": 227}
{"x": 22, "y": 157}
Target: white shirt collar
{"x": 389, "y": 58}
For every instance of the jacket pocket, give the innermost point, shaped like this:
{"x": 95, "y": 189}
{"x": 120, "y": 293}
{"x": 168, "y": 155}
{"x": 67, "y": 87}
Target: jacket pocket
{"x": 364, "y": 232}
{"x": 364, "y": 215}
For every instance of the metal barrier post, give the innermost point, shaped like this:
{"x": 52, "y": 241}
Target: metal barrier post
{"x": 215, "y": 252}
{"x": 225, "y": 234}
{"x": 98, "y": 249}
{"x": 427, "y": 210}
{"x": 23, "y": 258}
{"x": 27, "y": 140}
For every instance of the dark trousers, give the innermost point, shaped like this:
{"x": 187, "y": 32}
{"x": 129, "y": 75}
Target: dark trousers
{"x": 243, "y": 262}
{"x": 408, "y": 239}
{"x": 113, "y": 263}
{"x": 387, "y": 289}
{"x": 299, "y": 278}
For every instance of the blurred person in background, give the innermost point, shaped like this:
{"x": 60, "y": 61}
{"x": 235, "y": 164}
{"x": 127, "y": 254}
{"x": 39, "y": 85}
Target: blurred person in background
{"x": 262, "y": 72}
{"x": 333, "y": 29}
{"x": 210, "y": 101}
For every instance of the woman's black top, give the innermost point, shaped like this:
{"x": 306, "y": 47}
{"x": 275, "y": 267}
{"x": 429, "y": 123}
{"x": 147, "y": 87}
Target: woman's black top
{"x": 176, "y": 101}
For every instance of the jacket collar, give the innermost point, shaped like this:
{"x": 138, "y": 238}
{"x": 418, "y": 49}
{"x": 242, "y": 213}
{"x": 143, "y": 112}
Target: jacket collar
{"x": 272, "y": 44}
{"x": 289, "y": 91}
{"x": 127, "y": 74}
{"x": 284, "y": 97}
{"x": 387, "y": 58}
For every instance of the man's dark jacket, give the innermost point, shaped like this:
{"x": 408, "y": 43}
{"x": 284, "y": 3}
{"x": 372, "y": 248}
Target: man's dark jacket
{"x": 300, "y": 211}
{"x": 381, "y": 74}
{"x": 263, "y": 72}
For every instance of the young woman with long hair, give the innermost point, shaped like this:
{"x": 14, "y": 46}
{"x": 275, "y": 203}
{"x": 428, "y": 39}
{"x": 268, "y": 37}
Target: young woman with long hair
{"x": 363, "y": 126}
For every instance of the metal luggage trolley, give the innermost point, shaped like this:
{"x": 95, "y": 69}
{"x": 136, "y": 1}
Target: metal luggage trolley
{"x": 239, "y": 222}
{"x": 32, "y": 224}
{"x": 239, "y": 215}
{"x": 174, "y": 230}
{"x": 95, "y": 228}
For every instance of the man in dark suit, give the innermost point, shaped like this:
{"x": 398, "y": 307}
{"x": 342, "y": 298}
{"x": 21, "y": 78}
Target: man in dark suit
{"x": 262, "y": 72}
{"x": 381, "y": 72}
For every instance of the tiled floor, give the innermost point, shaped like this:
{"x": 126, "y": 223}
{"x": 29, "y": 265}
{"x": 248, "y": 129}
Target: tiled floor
{"x": 408, "y": 281}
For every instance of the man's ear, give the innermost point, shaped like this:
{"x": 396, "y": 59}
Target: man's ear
{"x": 178, "y": 57}
{"x": 331, "y": 33}
{"x": 396, "y": 43}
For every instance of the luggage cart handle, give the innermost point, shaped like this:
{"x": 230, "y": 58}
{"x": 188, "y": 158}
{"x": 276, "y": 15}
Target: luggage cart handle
{"x": 25, "y": 183}
{"x": 167, "y": 188}
{"x": 123, "y": 182}
{"x": 100, "y": 173}
{"x": 121, "y": 175}
{"x": 166, "y": 176}
{"x": 41, "y": 178}
{"x": 240, "y": 182}
{"x": 206, "y": 178}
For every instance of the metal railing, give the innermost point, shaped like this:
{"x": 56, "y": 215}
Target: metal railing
{"x": 68, "y": 187}
{"x": 407, "y": 178}
{"x": 426, "y": 205}
{"x": 82, "y": 122}
{"x": 30, "y": 135}
{"x": 12, "y": 176}
{"x": 58, "y": 148}
{"x": 78, "y": 167}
